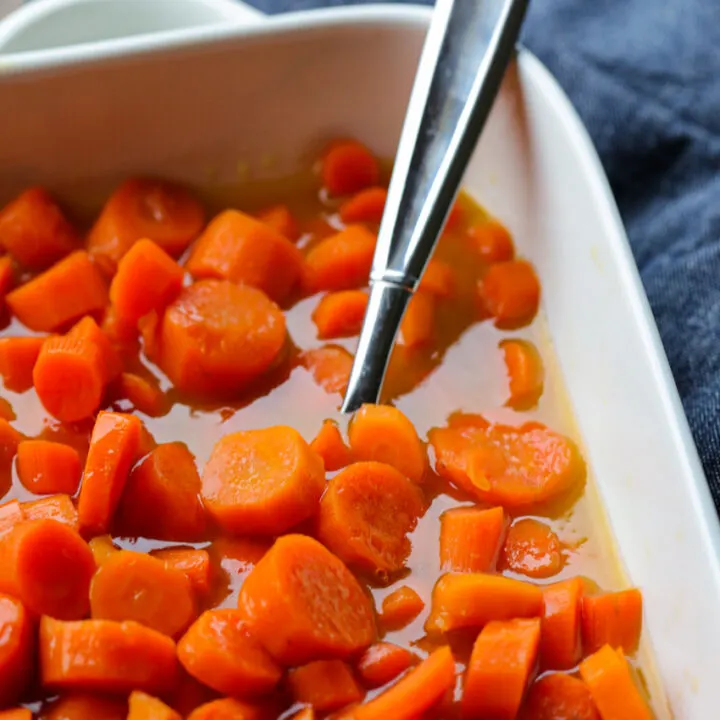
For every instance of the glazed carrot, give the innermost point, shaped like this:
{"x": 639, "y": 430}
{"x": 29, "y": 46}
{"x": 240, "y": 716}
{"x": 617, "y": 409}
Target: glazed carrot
{"x": 75, "y": 286}
{"x": 305, "y": 714}
{"x": 147, "y": 278}
{"x": 340, "y": 314}
{"x": 105, "y": 656}
{"x": 341, "y": 261}
{"x": 455, "y": 218}
{"x": 195, "y": 564}
{"x": 525, "y": 373}
{"x": 557, "y": 697}
{"x": 367, "y": 206}
{"x": 510, "y": 293}
{"x": 383, "y": 434}
{"x": 234, "y": 558}
{"x": 113, "y": 447}
{"x": 239, "y": 248}
{"x": 331, "y": 447}
{"x": 85, "y": 706}
{"x": 471, "y": 538}
{"x": 119, "y": 330}
{"x": 326, "y": 685}
{"x": 10, "y": 438}
{"x": 56, "y": 507}
{"x": 16, "y": 714}
{"x": 48, "y": 567}
{"x": 471, "y": 600}
{"x": 280, "y": 219}
{"x": 348, "y": 167}
{"x": 34, "y": 230}
{"x": 491, "y": 240}
{"x": 330, "y": 367}
{"x": 46, "y": 468}
{"x": 11, "y": 513}
{"x": 502, "y": 660}
{"x": 18, "y": 356}
{"x": 6, "y": 410}
{"x": 189, "y": 694}
{"x": 102, "y": 548}
{"x": 16, "y": 650}
{"x": 418, "y": 323}
{"x": 262, "y": 481}
{"x": 217, "y": 336}
{"x": 161, "y": 498}
{"x": 560, "y": 631}
{"x": 414, "y": 693}
{"x": 510, "y": 466}
{"x": 7, "y": 277}
{"x": 366, "y": 514}
{"x": 383, "y": 662}
{"x": 607, "y": 675}
{"x": 139, "y": 208}
{"x": 142, "y": 706}
{"x": 228, "y": 709}
{"x": 219, "y": 651}
{"x": 145, "y": 396}
{"x": 438, "y": 279}
{"x": 533, "y": 549}
{"x": 613, "y": 619}
{"x": 138, "y": 587}
{"x": 334, "y": 623}
{"x": 400, "y": 608}
{"x": 149, "y": 327}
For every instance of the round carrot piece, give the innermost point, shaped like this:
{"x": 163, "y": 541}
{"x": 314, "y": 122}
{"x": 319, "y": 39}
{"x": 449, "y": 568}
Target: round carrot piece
{"x": 491, "y": 240}
{"x": 219, "y": 651}
{"x": 217, "y": 336}
{"x": 383, "y": 662}
{"x": 192, "y": 562}
{"x": 16, "y": 650}
{"x": 330, "y": 367}
{"x": 367, "y": 206}
{"x": 560, "y": 643}
{"x": 325, "y": 613}
{"x": 559, "y": 697}
{"x": 340, "y": 314}
{"x": 262, "y": 481}
{"x": 142, "y": 706}
{"x": 85, "y": 706}
{"x": 18, "y": 356}
{"x": 510, "y": 293}
{"x": 533, "y": 549}
{"x": 46, "y": 468}
{"x": 400, "y": 608}
{"x": 383, "y": 434}
{"x": 331, "y": 447}
{"x": 133, "y": 586}
{"x": 48, "y": 567}
{"x": 348, "y": 167}
{"x": 525, "y": 373}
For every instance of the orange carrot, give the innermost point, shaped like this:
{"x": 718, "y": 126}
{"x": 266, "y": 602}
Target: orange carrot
{"x": 147, "y": 279}
{"x": 195, "y": 564}
{"x": 6, "y": 410}
{"x": 438, "y": 279}
{"x": 400, "y": 608}
{"x": 189, "y": 694}
{"x": 10, "y": 438}
{"x": 334, "y": 622}
{"x": 418, "y": 323}
{"x": 85, "y": 706}
{"x": 48, "y": 567}
{"x": 145, "y": 707}
{"x": 348, "y": 167}
{"x": 119, "y": 330}
{"x": 163, "y": 212}
{"x": 16, "y": 650}
{"x": 455, "y": 218}
{"x": 326, "y": 685}
{"x": 46, "y": 468}
{"x": 228, "y": 709}
{"x": 7, "y": 277}
{"x": 366, "y": 514}
{"x": 383, "y": 662}
{"x": 16, "y": 714}
{"x": 113, "y": 447}
{"x": 55, "y": 507}
{"x": 102, "y": 548}
{"x": 331, "y": 447}
{"x": 533, "y": 549}
{"x": 341, "y": 261}
{"x": 219, "y": 651}
{"x": 491, "y": 241}
{"x": 559, "y": 697}
{"x": 305, "y": 714}
{"x": 607, "y": 675}
{"x": 330, "y": 367}
{"x": 218, "y": 337}
{"x": 613, "y": 619}
{"x": 525, "y": 373}
{"x": 11, "y": 514}
{"x": 75, "y": 287}
{"x": 280, "y": 219}
{"x": 234, "y": 557}
{"x": 138, "y": 587}
{"x": 500, "y": 666}
{"x": 367, "y": 206}
{"x": 471, "y": 600}
{"x": 262, "y": 481}
{"x": 383, "y": 434}
{"x": 560, "y": 637}
{"x": 145, "y": 396}
{"x": 34, "y": 230}
{"x": 18, "y": 356}
{"x": 340, "y": 314}
{"x": 510, "y": 293}
{"x": 149, "y": 327}
{"x": 470, "y": 539}
{"x": 105, "y": 656}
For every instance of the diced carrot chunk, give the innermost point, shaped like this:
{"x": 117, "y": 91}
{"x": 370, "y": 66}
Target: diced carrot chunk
{"x": 18, "y": 356}
{"x": 145, "y": 396}
{"x": 46, "y": 468}
{"x": 85, "y": 706}
{"x": 16, "y": 714}
{"x": 193, "y": 562}
{"x": 525, "y": 373}
{"x": 383, "y": 662}
{"x": 492, "y": 241}
{"x": 340, "y": 314}
{"x": 330, "y": 367}
{"x": 102, "y": 548}
{"x": 560, "y": 644}
{"x": 438, "y": 279}
{"x": 228, "y": 709}
{"x": 556, "y": 697}
{"x": 56, "y": 507}
{"x": 533, "y": 549}
{"x": 325, "y": 685}
{"x": 10, "y": 438}
{"x": 400, "y": 608}
{"x": 348, "y": 167}
{"x": 418, "y": 323}
{"x": 234, "y": 557}
{"x": 471, "y": 538}
{"x": 119, "y": 330}
{"x": 510, "y": 293}
{"x": 280, "y": 218}
{"x": 145, "y": 707}
{"x": 16, "y": 650}
{"x": 613, "y": 619}
{"x": 366, "y": 206}
{"x": 331, "y": 447}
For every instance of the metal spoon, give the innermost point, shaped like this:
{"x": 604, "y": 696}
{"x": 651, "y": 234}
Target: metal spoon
{"x": 467, "y": 50}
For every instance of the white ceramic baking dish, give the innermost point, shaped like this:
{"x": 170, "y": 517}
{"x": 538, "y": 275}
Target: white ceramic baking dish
{"x": 237, "y": 92}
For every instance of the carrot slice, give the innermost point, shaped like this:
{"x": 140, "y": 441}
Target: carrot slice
{"x": 559, "y": 697}
{"x": 492, "y": 241}
{"x": 85, "y": 706}
{"x": 367, "y": 206}
{"x": 613, "y": 619}
{"x": 471, "y": 600}
{"x": 383, "y": 662}
{"x": 418, "y": 323}
{"x": 218, "y": 337}
{"x": 438, "y": 279}
{"x": 133, "y": 586}
{"x": 400, "y": 608}
{"x": 510, "y": 293}
{"x": 46, "y": 468}
{"x": 18, "y": 356}
{"x": 105, "y": 656}
{"x": 147, "y": 279}
{"x": 195, "y": 564}
{"x": 560, "y": 637}
{"x": 607, "y": 675}
{"x": 341, "y": 261}
{"x": 235, "y": 557}
{"x": 348, "y": 167}
{"x": 145, "y": 396}
{"x": 502, "y": 660}
{"x": 325, "y": 685}
{"x": 331, "y": 447}
{"x": 34, "y": 230}
{"x": 16, "y": 649}
{"x": 102, "y": 548}
{"x": 513, "y": 467}
{"x": 262, "y": 481}
{"x": 16, "y": 714}
{"x": 280, "y": 219}
{"x": 366, "y": 514}
{"x": 113, "y": 447}
{"x": 533, "y": 549}
{"x": 470, "y": 539}
{"x": 340, "y": 314}
{"x": 11, "y": 514}
{"x": 145, "y": 707}
{"x": 325, "y": 611}
{"x": 75, "y": 286}
{"x": 56, "y": 507}
{"x": 228, "y": 709}
{"x": 525, "y": 373}
{"x": 330, "y": 367}
{"x": 163, "y": 212}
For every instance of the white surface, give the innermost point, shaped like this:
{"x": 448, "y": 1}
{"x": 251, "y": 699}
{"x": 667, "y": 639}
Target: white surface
{"x": 210, "y": 98}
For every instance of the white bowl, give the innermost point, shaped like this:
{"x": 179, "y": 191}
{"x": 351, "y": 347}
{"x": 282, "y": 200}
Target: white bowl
{"x": 193, "y": 103}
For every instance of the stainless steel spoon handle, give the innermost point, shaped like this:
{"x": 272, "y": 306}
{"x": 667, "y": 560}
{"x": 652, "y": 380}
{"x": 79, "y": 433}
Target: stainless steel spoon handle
{"x": 467, "y": 50}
